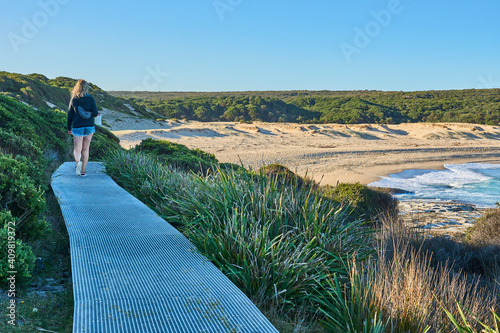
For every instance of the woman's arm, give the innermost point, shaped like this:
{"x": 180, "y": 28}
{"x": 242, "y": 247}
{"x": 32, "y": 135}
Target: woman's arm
{"x": 71, "y": 114}
{"x": 95, "y": 112}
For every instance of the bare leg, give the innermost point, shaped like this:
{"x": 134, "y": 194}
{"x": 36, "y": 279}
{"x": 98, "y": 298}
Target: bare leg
{"x": 77, "y": 150}
{"x": 85, "y": 150}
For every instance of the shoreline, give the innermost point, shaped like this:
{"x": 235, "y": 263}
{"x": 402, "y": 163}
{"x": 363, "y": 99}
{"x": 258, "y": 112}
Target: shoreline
{"x": 328, "y": 153}
{"x": 429, "y": 165}
{"x": 331, "y": 153}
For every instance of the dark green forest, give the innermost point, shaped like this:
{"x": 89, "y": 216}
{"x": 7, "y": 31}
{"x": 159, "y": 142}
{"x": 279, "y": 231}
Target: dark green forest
{"x": 480, "y": 106}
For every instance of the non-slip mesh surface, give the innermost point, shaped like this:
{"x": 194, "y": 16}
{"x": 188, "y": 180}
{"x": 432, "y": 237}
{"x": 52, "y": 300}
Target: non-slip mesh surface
{"x": 134, "y": 272}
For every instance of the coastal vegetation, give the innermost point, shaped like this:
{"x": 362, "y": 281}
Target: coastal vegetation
{"x": 486, "y": 230}
{"x": 177, "y": 155}
{"x": 481, "y": 106}
{"x": 313, "y": 258}
{"x": 309, "y": 258}
{"x": 39, "y": 91}
{"x": 33, "y": 143}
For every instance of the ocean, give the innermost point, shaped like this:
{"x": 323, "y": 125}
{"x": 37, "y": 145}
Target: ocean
{"x": 472, "y": 183}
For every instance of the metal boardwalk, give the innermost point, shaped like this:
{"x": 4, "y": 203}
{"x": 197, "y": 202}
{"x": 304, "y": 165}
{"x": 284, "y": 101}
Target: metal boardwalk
{"x": 133, "y": 272}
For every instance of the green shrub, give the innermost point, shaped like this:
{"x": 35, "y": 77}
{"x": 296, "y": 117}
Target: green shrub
{"x": 233, "y": 167}
{"x": 20, "y": 193}
{"x": 486, "y": 230}
{"x": 24, "y": 258}
{"x": 46, "y": 129}
{"x": 107, "y": 133}
{"x": 362, "y": 200}
{"x": 11, "y": 143}
{"x": 177, "y": 155}
{"x": 283, "y": 175}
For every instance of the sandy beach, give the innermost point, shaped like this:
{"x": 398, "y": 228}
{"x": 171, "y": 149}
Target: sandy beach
{"x": 332, "y": 153}
{"x": 329, "y": 153}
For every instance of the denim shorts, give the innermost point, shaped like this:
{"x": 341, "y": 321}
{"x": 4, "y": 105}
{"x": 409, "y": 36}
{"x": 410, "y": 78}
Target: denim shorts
{"x": 83, "y": 131}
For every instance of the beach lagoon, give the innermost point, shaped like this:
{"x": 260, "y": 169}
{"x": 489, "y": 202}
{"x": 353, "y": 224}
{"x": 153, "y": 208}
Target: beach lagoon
{"x": 472, "y": 183}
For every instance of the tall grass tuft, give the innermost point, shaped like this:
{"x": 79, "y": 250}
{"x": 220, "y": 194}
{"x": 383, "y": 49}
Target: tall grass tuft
{"x": 414, "y": 294}
{"x": 401, "y": 291}
{"x": 277, "y": 242}
{"x": 350, "y": 306}
{"x": 273, "y": 242}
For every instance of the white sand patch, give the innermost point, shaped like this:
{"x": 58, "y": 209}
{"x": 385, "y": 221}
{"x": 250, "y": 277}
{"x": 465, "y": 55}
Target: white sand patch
{"x": 116, "y": 121}
{"x": 50, "y": 104}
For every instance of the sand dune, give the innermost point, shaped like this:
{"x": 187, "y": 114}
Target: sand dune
{"x": 328, "y": 152}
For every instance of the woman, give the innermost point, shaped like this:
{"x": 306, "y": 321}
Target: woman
{"x": 83, "y": 128}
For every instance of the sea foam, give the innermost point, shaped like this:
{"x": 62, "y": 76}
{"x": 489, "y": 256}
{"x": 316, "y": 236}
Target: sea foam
{"x": 473, "y": 183}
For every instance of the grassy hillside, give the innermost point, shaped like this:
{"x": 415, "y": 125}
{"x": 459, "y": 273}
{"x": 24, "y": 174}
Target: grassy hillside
{"x": 36, "y": 90}
{"x": 346, "y": 107}
{"x": 33, "y": 143}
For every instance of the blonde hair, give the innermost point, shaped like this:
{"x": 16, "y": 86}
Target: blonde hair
{"x": 81, "y": 88}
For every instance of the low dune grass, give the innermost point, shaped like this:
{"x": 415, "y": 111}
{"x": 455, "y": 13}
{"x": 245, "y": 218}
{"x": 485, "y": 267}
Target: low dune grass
{"x": 301, "y": 256}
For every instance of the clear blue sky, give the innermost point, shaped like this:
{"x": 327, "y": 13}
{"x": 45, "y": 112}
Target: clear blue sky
{"x": 227, "y": 45}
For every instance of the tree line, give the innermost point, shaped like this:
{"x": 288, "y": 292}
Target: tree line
{"x": 480, "y": 106}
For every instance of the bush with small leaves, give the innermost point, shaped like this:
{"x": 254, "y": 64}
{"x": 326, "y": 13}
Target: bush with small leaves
{"x": 283, "y": 176}
{"x": 14, "y": 255}
{"x": 102, "y": 144}
{"x": 20, "y": 193}
{"x": 177, "y": 155}
{"x": 361, "y": 199}
{"x": 486, "y": 230}
{"x": 11, "y": 143}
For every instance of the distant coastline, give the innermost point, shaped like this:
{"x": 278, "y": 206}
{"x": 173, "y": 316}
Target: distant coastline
{"x": 329, "y": 153}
